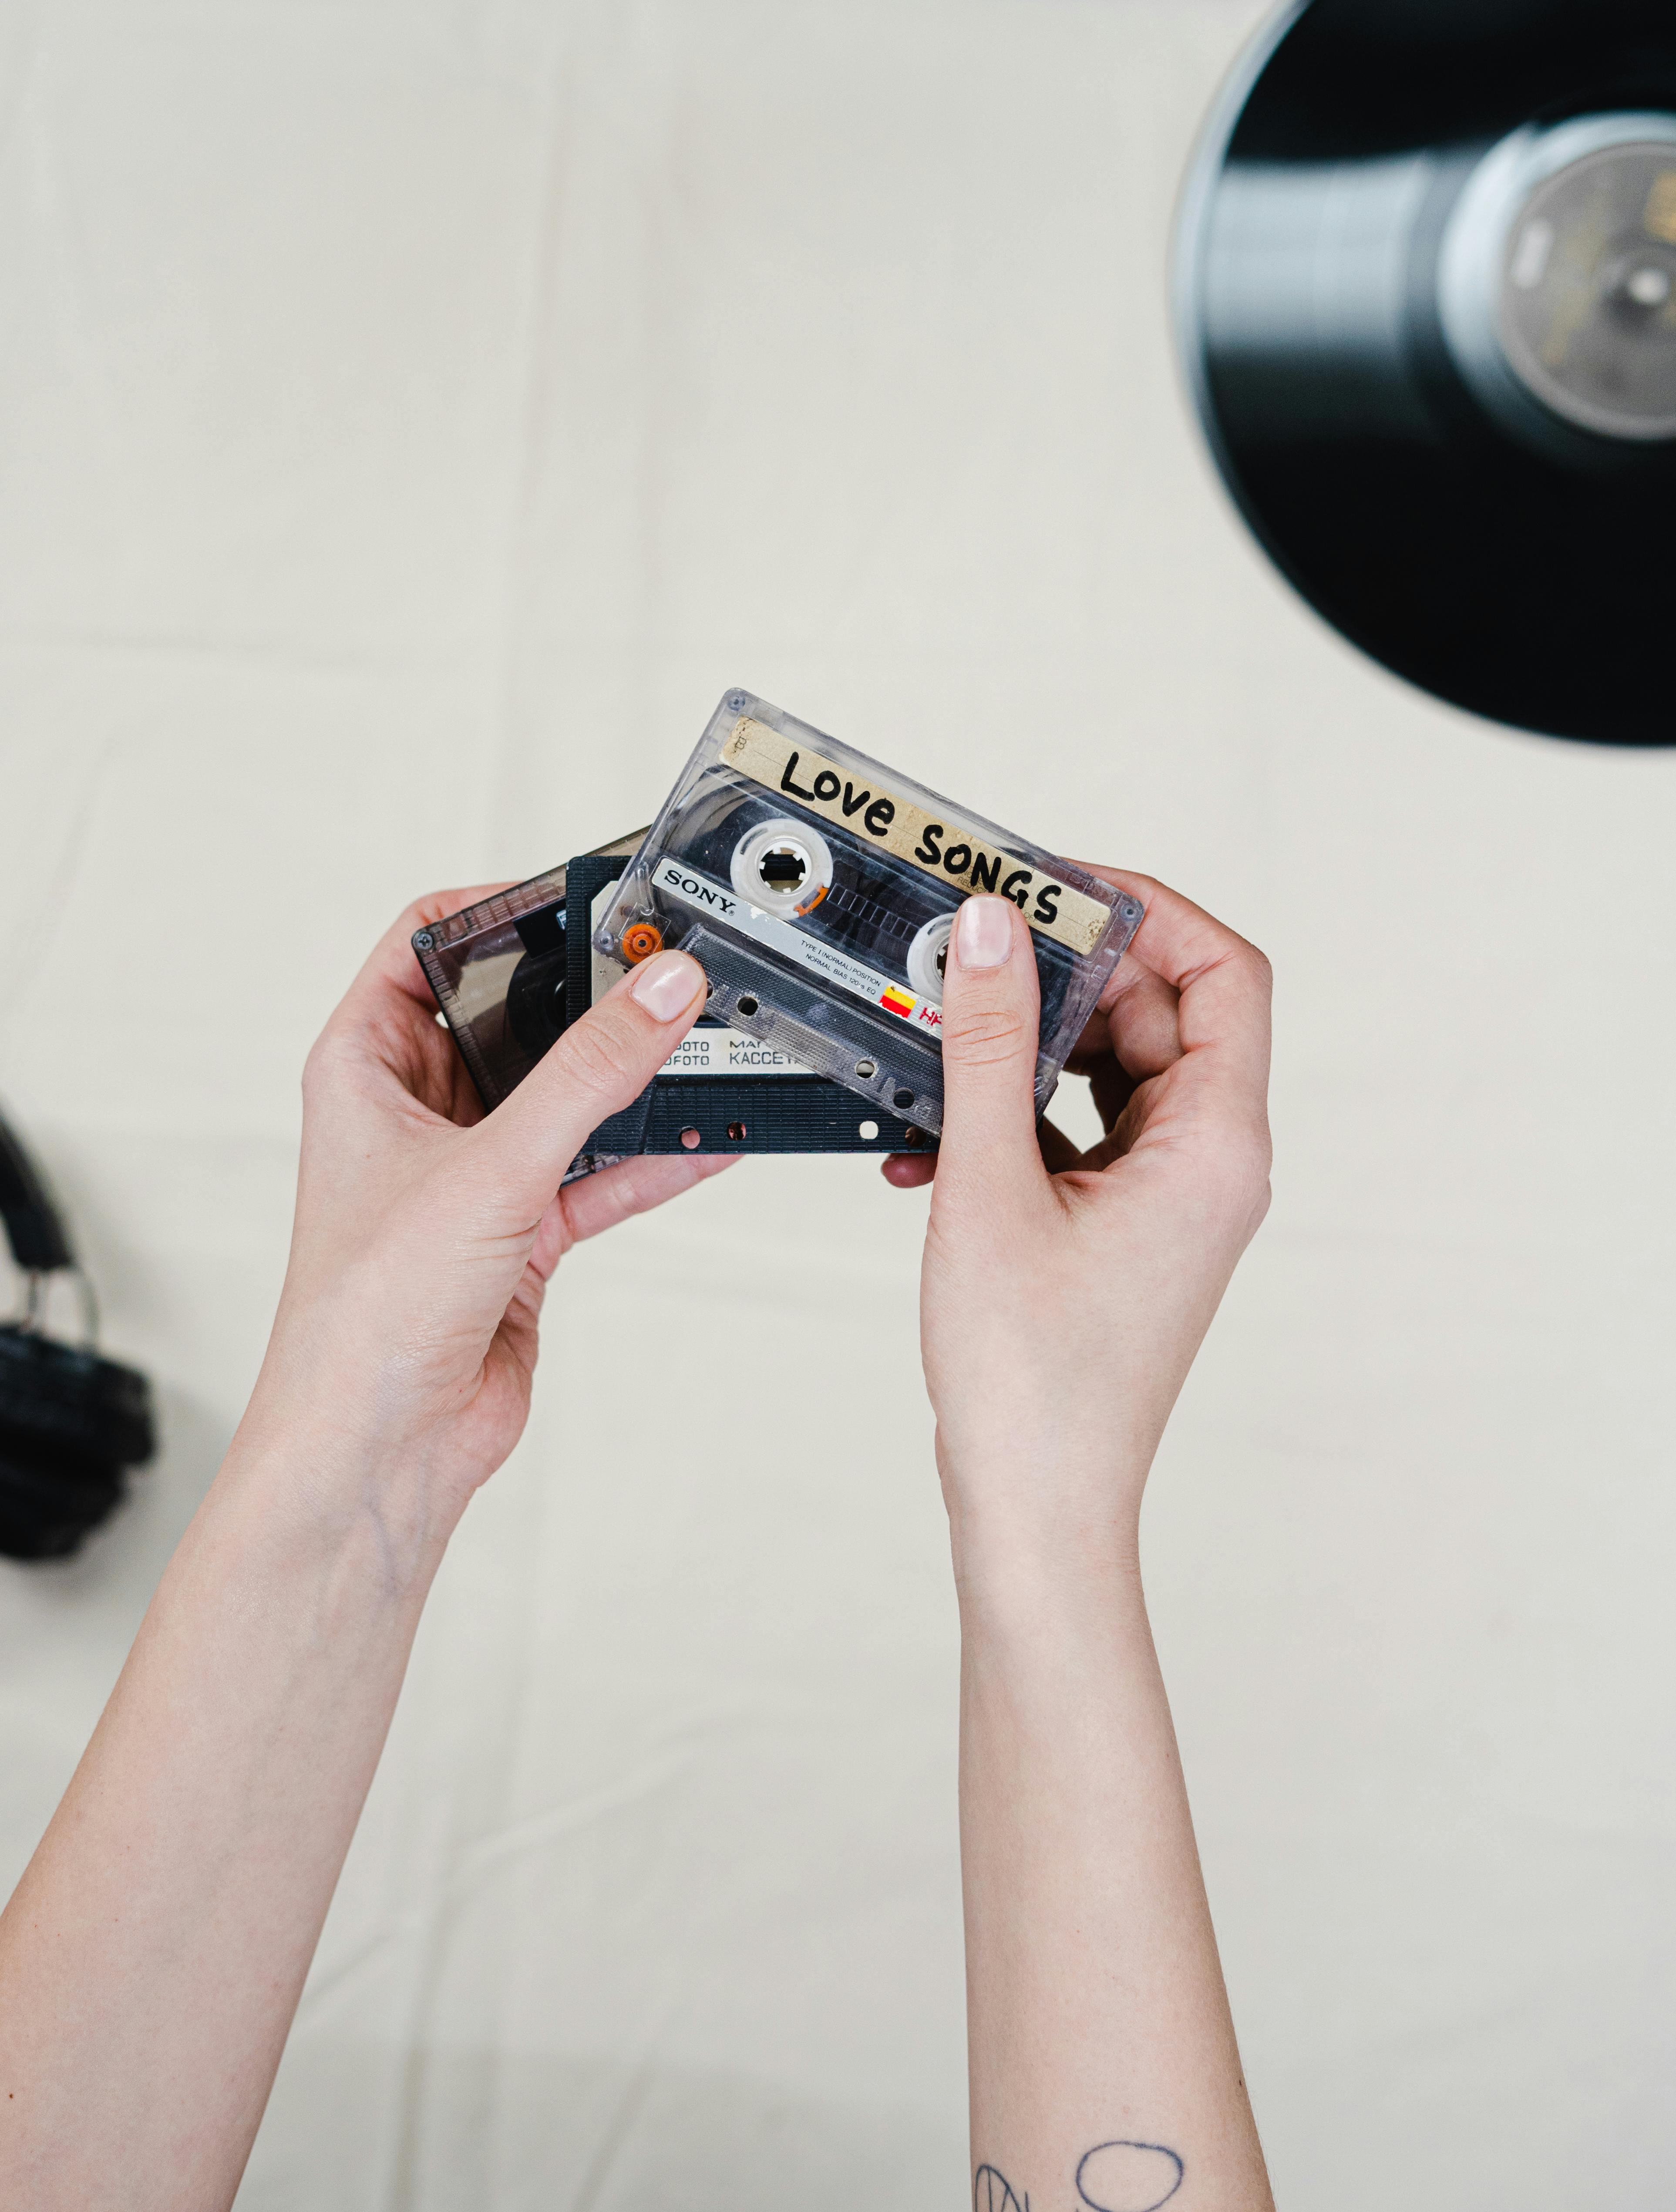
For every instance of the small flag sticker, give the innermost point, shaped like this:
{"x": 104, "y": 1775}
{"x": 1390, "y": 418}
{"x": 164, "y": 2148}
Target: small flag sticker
{"x": 898, "y": 1001}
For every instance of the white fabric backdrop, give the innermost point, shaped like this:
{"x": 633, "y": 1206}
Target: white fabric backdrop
{"x": 413, "y": 414}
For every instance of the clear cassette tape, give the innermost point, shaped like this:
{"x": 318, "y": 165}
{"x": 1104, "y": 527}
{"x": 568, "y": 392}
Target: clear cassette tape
{"x": 817, "y": 889}
{"x": 499, "y": 972}
{"x": 513, "y": 973}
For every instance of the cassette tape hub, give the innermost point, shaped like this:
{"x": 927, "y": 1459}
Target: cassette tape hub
{"x": 817, "y": 890}
{"x": 511, "y": 974}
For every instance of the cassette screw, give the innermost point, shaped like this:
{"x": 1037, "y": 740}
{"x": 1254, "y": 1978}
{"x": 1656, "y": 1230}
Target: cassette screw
{"x": 736, "y": 702}
{"x": 423, "y": 940}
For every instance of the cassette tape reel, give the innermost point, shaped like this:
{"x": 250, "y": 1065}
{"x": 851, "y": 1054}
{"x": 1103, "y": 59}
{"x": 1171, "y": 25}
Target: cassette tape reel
{"x": 784, "y": 866}
{"x": 817, "y": 889}
{"x": 927, "y": 955}
{"x": 511, "y": 974}
{"x": 1426, "y": 284}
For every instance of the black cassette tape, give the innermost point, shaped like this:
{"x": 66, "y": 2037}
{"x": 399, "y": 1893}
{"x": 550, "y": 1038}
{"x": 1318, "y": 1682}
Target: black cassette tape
{"x": 818, "y": 890}
{"x": 511, "y": 974}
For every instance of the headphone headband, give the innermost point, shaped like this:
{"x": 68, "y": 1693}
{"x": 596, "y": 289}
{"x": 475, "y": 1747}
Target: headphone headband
{"x": 71, "y": 1422}
{"x": 33, "y": 1230}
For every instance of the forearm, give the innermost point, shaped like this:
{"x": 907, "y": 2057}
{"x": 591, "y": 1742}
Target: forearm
{"x": 1097, "y": 2015}
{"x": 153, "y": 1953}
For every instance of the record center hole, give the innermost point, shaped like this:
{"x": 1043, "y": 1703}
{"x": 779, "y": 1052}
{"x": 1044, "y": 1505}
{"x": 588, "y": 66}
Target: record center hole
{"x": 867, "y": 1132}
{"x": 902, "y": 1100}
{"x": 690, "y": 1140}
{"x": 736, "y": 1131}
{"x": 1649, "y": 287}
{"x": 747, "y": 1006}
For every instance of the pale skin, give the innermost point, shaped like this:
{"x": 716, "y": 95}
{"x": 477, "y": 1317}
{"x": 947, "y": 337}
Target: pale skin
{"x": 153, "y": 1955}
{"x": 1103, "y": 2065}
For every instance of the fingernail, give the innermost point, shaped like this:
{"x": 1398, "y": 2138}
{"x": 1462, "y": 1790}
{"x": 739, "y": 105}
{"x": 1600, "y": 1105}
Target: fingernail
{"x": 667, "y": 985}
{"x": 983, "y": 933}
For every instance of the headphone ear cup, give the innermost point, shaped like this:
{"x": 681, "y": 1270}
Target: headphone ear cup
{"x": 46, "y": 1509}
{"x": 70, "y": 1423}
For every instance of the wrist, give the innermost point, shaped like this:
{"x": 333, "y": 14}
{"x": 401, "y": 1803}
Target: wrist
{"x": 1058, "y": 1539}
{"x": 327, "y": 1485}
{"x": 1050, "y": 1635}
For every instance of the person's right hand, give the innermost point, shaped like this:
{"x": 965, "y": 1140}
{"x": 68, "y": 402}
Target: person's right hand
{"x": 1064, "y": 1298}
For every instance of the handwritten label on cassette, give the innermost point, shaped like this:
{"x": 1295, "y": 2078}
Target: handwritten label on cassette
{"x": 945, "y": 848}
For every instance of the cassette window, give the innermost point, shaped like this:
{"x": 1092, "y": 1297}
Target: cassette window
{"x": 498, "y": 971}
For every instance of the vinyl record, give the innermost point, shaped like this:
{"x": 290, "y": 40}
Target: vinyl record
{"x": 1427, "y": 303}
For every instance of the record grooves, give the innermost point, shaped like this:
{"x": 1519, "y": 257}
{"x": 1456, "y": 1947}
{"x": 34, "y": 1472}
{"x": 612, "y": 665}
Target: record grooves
{"x": 1427, "y": 303}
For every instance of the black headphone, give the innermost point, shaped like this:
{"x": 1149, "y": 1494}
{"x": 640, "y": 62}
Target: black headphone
{"x": 71, "y": 1424}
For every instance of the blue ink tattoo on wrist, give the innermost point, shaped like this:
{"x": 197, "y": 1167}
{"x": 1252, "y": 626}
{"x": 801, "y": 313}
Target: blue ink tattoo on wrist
{"x": 1130, "y": 2177}
{"x": 993, "y": 2193}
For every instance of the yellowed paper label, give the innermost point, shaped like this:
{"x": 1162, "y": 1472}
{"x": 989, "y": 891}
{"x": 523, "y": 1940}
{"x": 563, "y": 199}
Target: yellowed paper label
{"x": 948, "y": 850}
{"x": 1661, "y": 207}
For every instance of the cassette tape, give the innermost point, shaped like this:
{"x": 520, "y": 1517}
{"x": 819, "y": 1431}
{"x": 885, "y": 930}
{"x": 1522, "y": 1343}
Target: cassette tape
{"x": 511, "y": 974}
{"x": 818, "y": 890}
{"x": 499, "y": 971}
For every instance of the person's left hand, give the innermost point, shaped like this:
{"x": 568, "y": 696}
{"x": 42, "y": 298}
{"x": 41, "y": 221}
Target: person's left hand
{"x": 426, "y": 1232}
{"x": 1065, "y": 1294}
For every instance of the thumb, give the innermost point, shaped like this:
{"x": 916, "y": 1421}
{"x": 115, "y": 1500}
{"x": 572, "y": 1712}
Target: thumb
{"x": 992, "y": 1019}
{"x": 600, "y": 1065}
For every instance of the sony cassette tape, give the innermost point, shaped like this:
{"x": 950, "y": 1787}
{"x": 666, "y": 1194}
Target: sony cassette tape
{"x": 722, "y": 1090}
{"x": 817, "y": 890}
{"x": 511, "y": 974}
